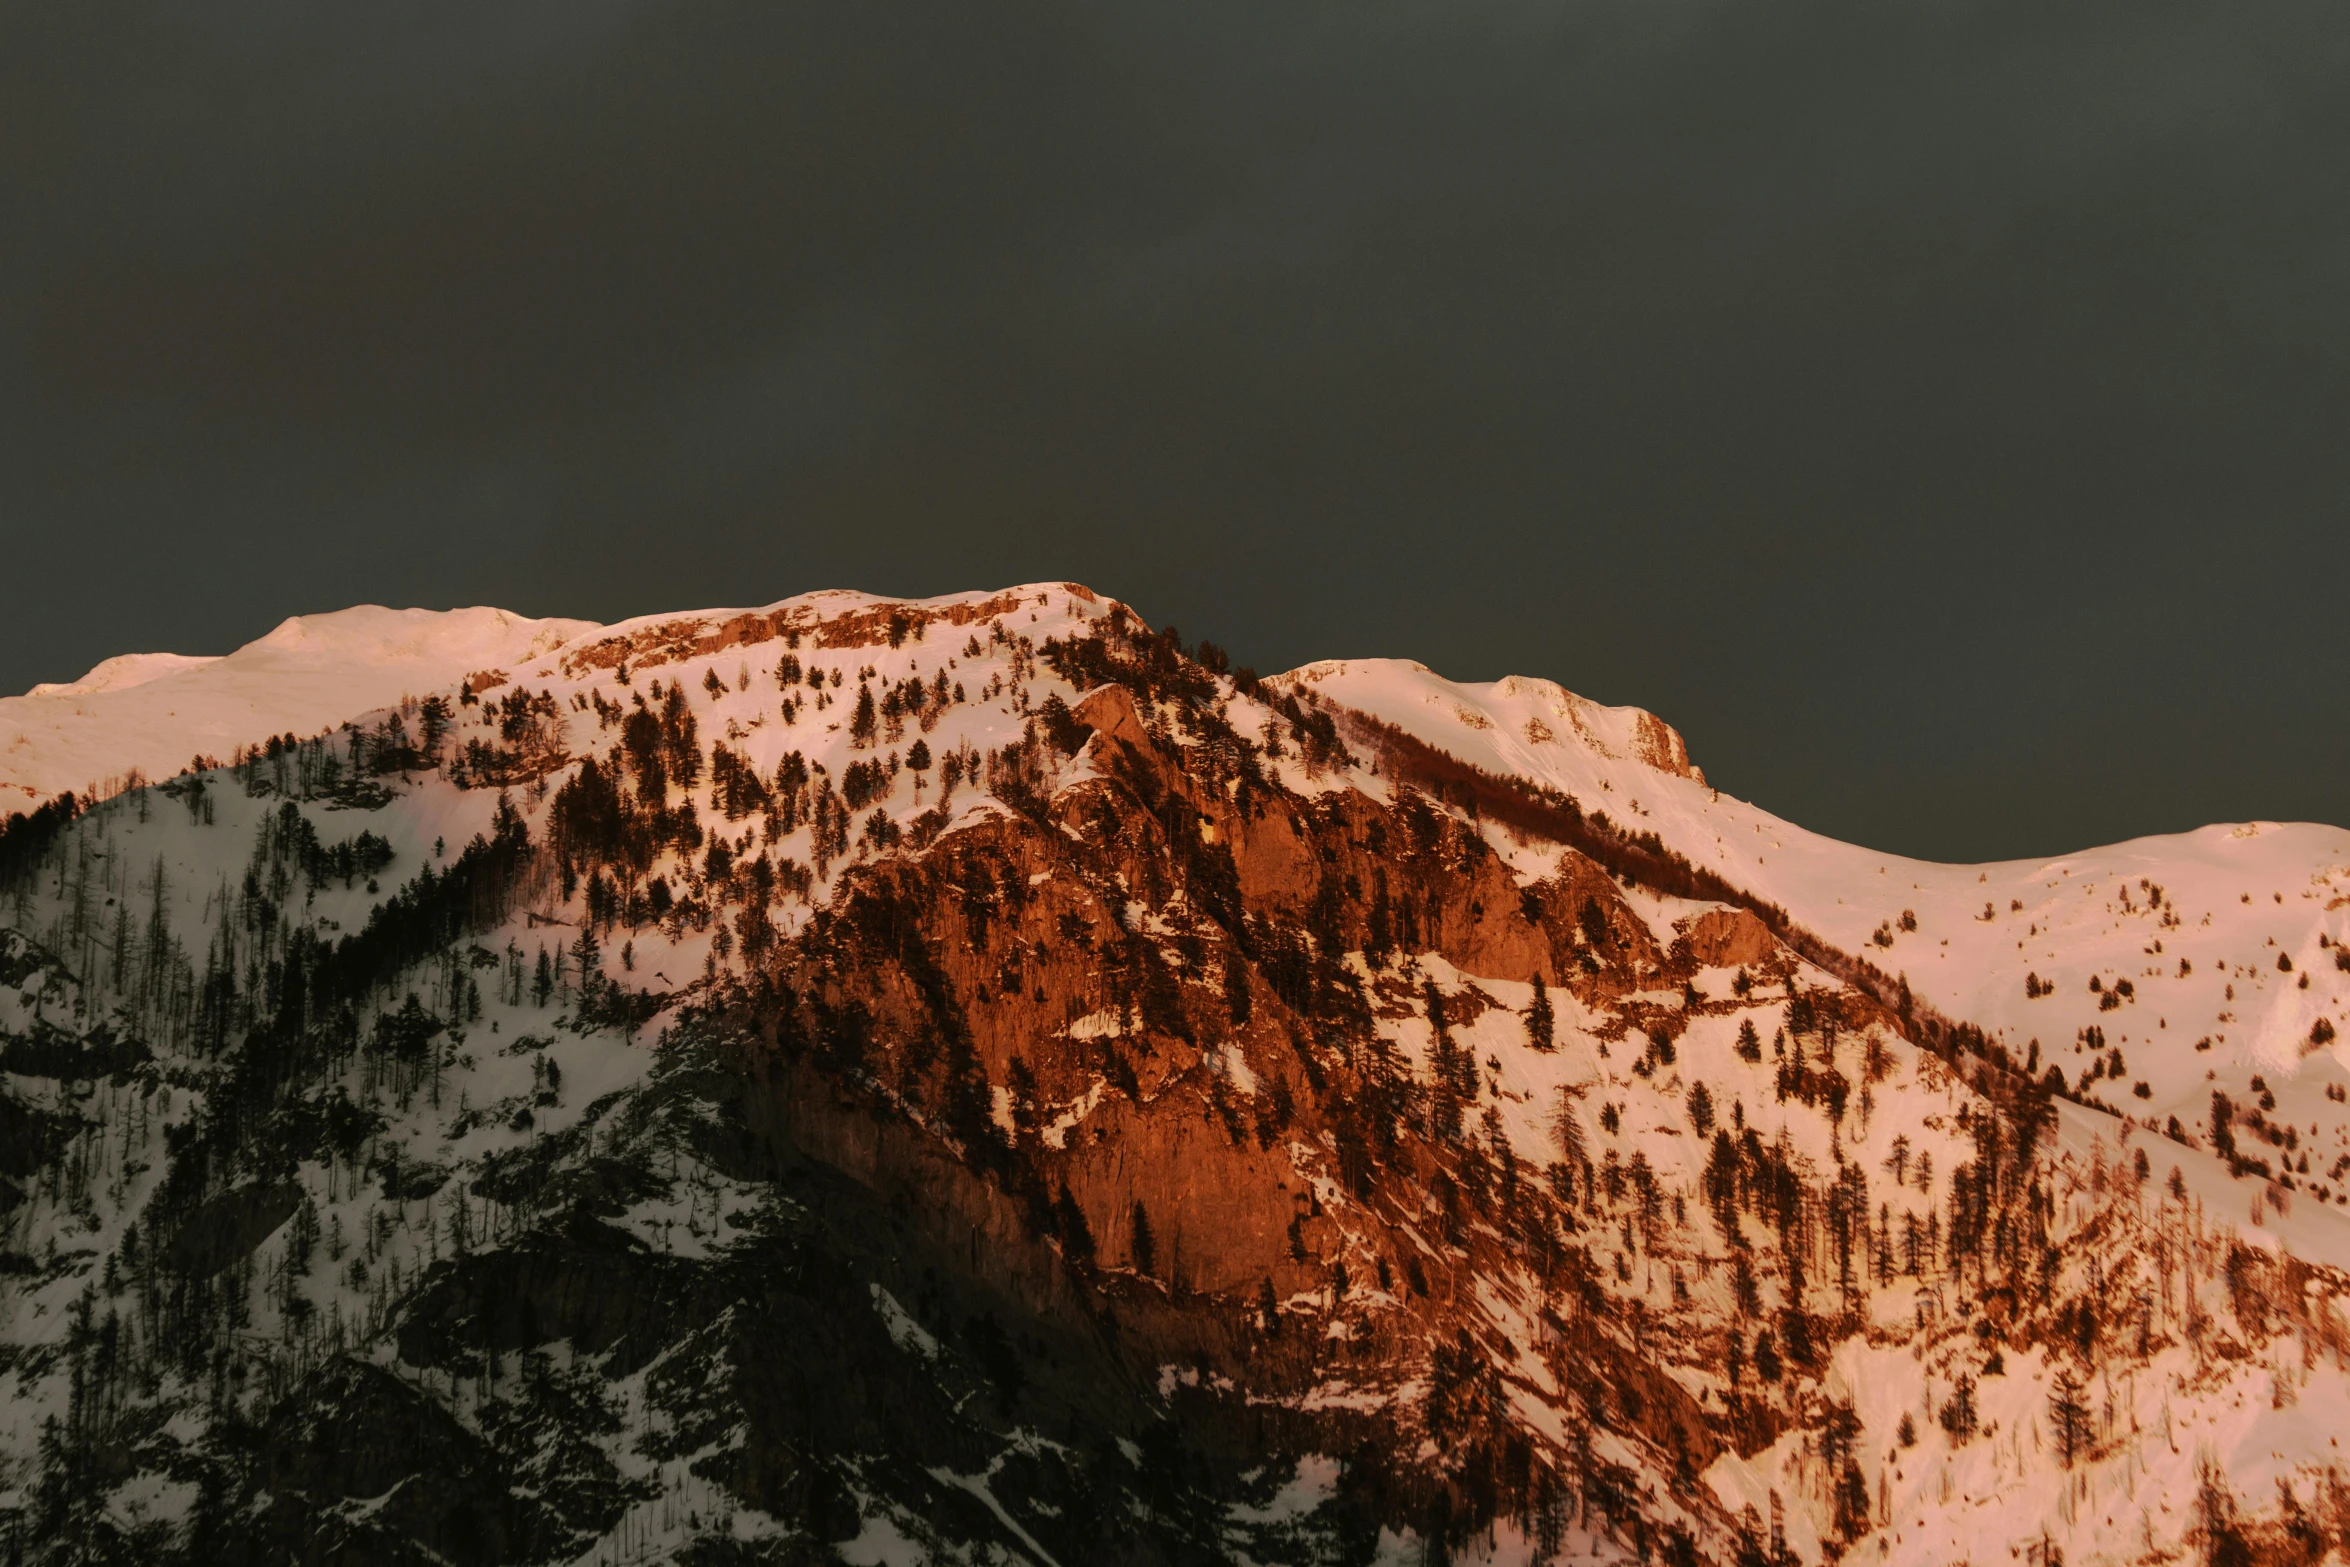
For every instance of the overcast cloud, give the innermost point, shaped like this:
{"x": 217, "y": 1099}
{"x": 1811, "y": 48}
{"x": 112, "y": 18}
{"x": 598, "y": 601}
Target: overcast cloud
{"x": 1935, "y": 408}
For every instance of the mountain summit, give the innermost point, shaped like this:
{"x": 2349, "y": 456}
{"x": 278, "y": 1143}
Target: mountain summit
{"x": 148, "y": 715}
{"x": 976, "y": 1080}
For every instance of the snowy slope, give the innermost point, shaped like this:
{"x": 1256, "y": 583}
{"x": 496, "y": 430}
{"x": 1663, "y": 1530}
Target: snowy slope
{"x": 151, "y": 712}
{"x": 124, "y": 671}
{"x": 2194, "y": 923}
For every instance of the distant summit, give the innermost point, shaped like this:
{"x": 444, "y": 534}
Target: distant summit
{"x": 148, "y": 714}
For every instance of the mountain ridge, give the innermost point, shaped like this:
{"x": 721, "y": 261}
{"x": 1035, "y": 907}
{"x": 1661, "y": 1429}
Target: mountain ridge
{"x": 123, "y": 720}
{"x": 996, "y": 1080}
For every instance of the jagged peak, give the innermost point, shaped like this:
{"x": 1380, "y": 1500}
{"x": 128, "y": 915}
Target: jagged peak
{"x": 830, "y": 617}
{"x": 1524, "y": 708}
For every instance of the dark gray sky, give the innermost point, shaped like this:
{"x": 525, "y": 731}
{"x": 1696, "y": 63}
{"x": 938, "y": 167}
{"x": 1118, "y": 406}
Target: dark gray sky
{"x": 1939, "y": 409}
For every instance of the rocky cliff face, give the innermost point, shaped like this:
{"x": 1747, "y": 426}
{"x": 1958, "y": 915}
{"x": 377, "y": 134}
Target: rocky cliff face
{"x": 980, "y": 1081}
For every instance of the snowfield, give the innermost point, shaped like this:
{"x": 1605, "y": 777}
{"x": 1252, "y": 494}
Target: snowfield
{"x": 147, "y": 714}
{"x": 2205, "y": 958}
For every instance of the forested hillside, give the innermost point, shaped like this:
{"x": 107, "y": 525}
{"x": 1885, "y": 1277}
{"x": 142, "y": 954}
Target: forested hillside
{"x": 980, "y": 1079}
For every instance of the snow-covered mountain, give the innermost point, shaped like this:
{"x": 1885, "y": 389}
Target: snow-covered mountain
{"x": 2203, "y": 957}
{"x": 972, "y": 1079}
{"x": 147, "y": 715}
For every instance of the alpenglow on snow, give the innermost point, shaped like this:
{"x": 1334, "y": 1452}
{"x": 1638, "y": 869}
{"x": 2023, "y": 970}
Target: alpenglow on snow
{"x": 977, "y": 1079}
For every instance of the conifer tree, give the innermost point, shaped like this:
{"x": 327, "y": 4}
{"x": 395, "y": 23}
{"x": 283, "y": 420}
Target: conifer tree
{"x": 1237, "y": 1000}
{"x": 1958, "y": 1411}
{"x": 2069, "y": 1415}
{"x": 1069, "y": 1220}
{"x": 1146, "y": 1246}
{"x": 588, "y": 958}
{"x": 1454, "y": 1069}
{"x": 2223, "y": 1133}
{"x": 2215, "y": 1506}
{"x": 1540, "y": 1025}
